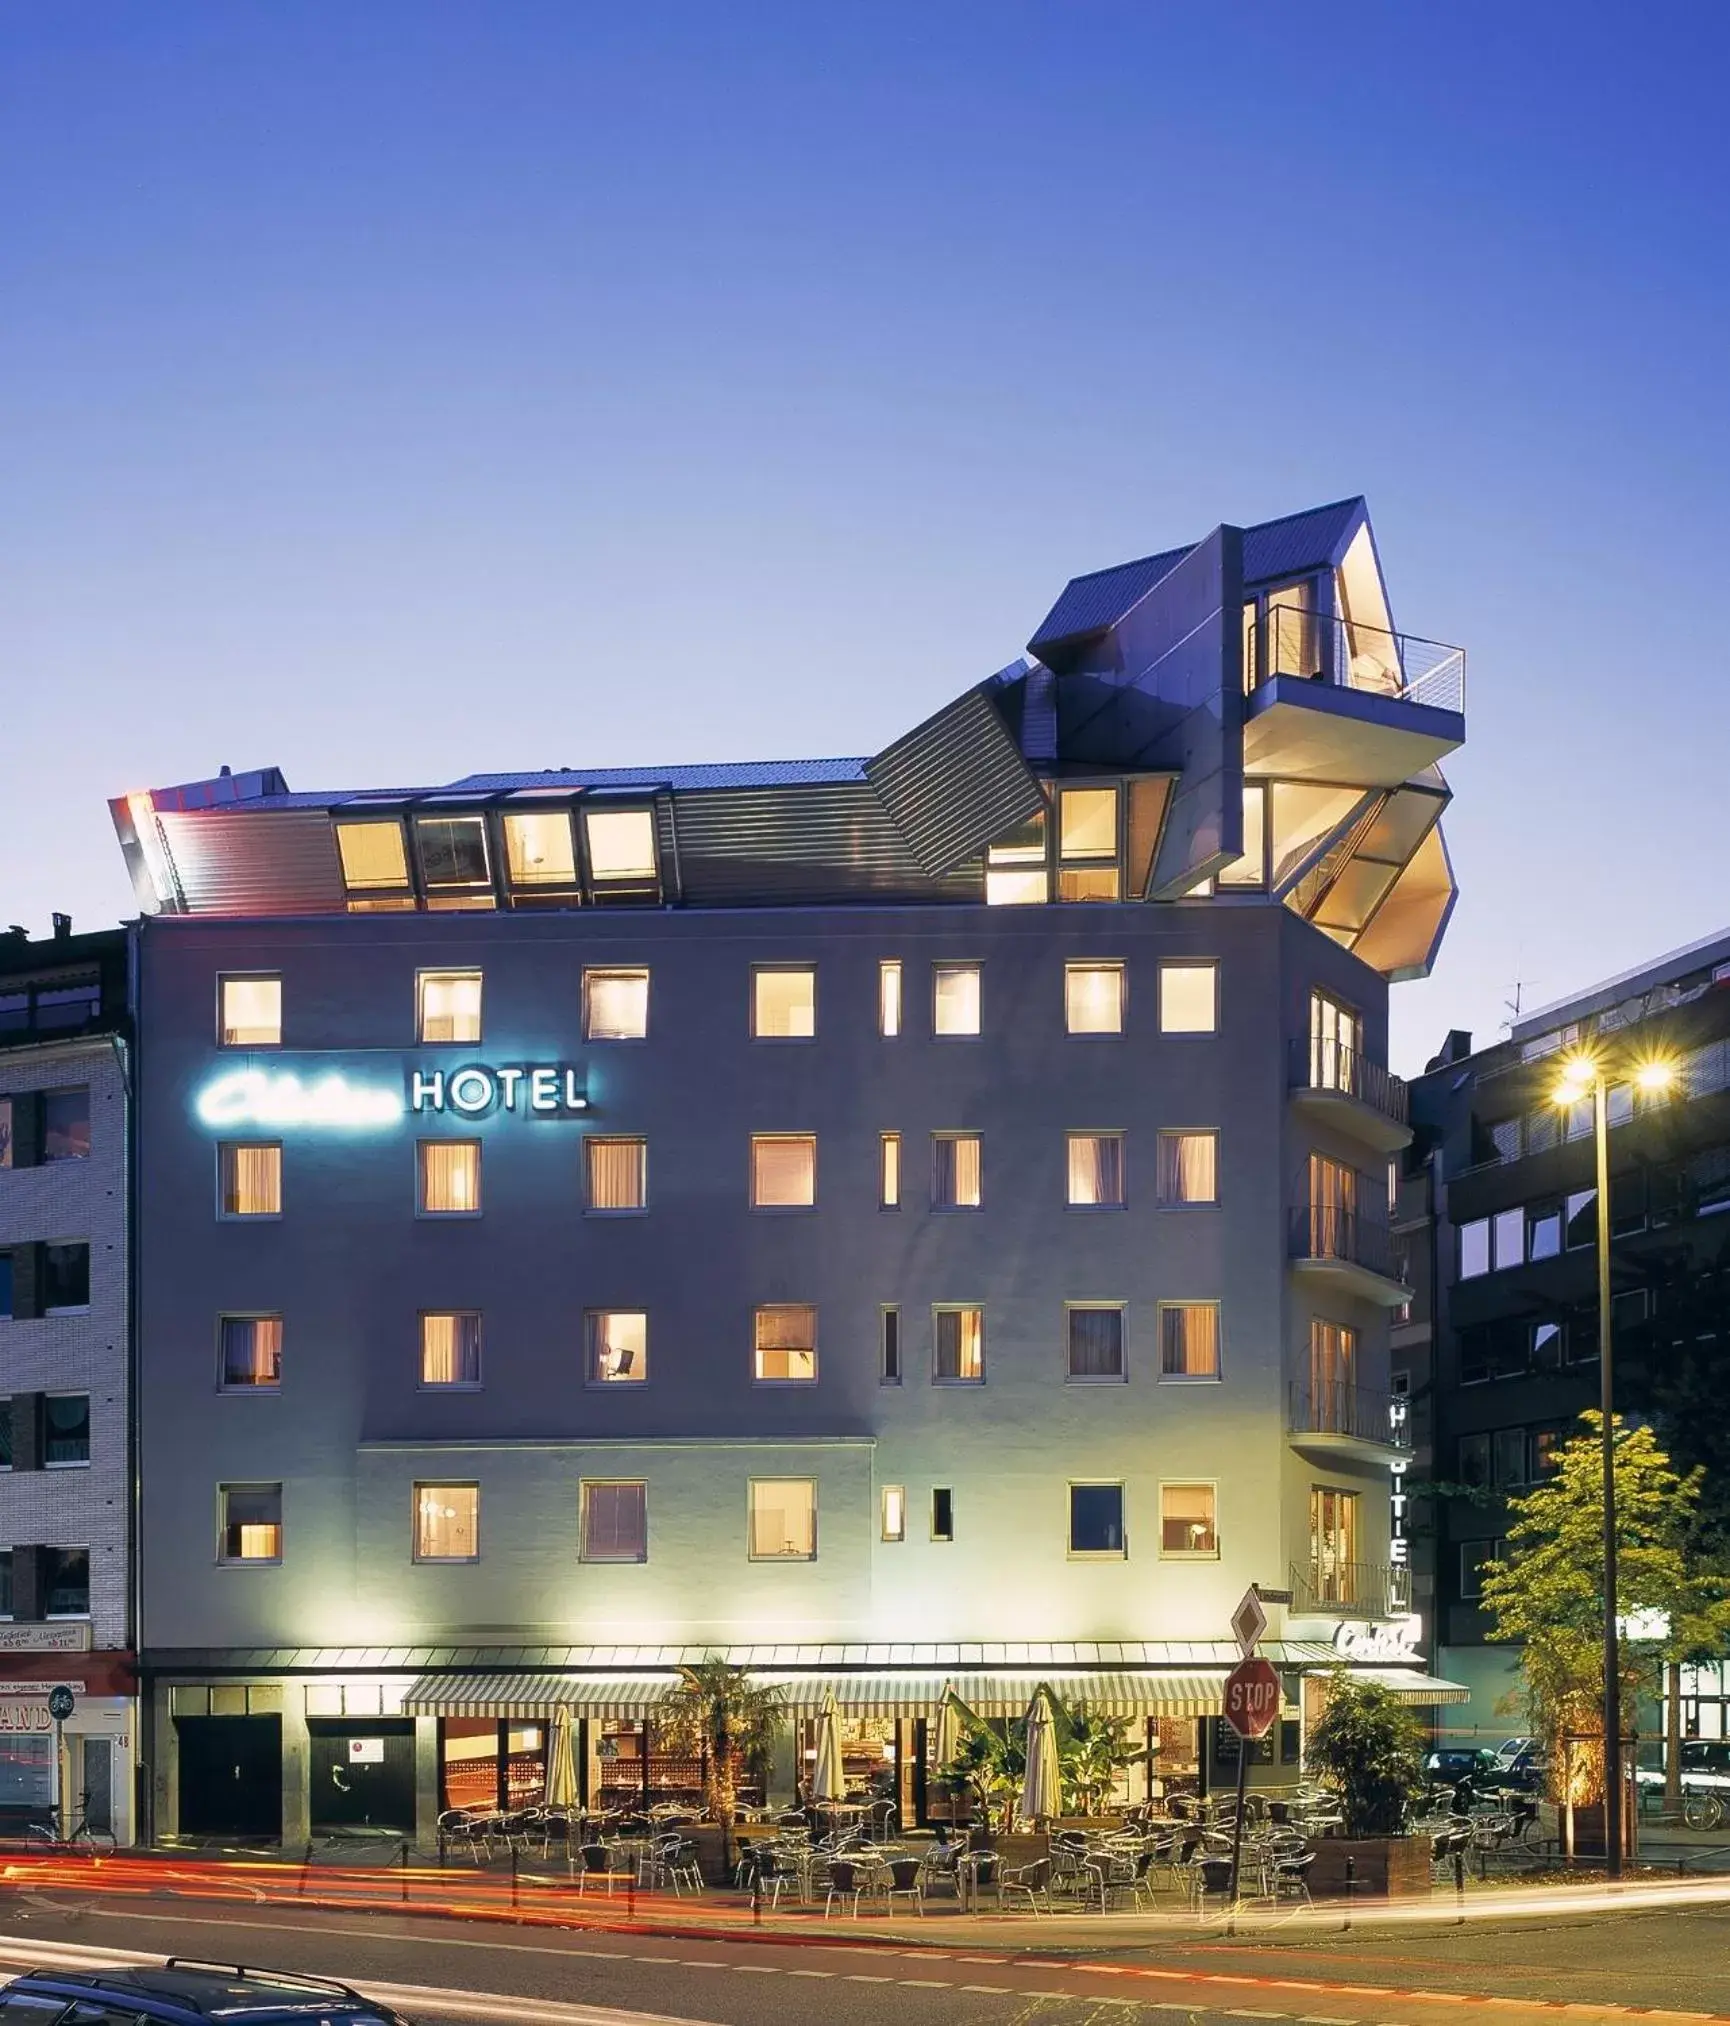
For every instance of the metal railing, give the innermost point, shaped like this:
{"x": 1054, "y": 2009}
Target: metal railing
{"x": 1331, "y": 1065}
{"x": 1324, "y": 1231}
{"x": 1341, "y": 1407}
{"x": 1357, "y": 1589}
{"x": 1402, "y": 666}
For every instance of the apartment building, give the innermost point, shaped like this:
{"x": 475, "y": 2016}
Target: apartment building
{"x": 895, "y": 1222}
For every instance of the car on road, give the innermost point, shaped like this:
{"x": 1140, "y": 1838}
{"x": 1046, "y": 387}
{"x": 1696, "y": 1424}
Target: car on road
{"x": 182, "y": 1992}
{"x": 1705, "y": 1782}
{"x": 1450, "y": 1764}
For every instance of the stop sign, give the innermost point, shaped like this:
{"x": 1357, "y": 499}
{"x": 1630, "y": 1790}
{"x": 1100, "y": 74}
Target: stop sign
{"x": 1251, "y": 1697}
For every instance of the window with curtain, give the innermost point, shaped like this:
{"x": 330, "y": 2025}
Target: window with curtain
{"x": 1188, "y": 1168}
{"x": 1095, "y": 1340}
{"x": 1334, "y": 1544}
{"x": 1336, "y": 1045}
{"x": 251, "y": 1012}
{"x": 786, "y": 1341}
{"x": 1188, "y": 998}
{"x": 1188, "y": 1523}
{"x": 958, "y": 1335}
{"x": 250, "y": 1178}
{"x": 615, "y": 1005}
{"x": 784, "y": 1002}
{"x": 782, "y": 1519}
{"x": 251, "y": 1349}
{"x": 450, "y": 1178}
{"x": 447, "y": 1522}
{"x": 956, "y": 1171}
{"x": 1096, "y": 1171}
{"x": 615, "y": 1520}
{"x": 1093, "y": 998}
{"x": 783, "y": 1171}
{"x": 1334, "y": 1205}
{"x": 251, "y": 1522}
{"x": 1189, "y": 1340}
{"x": 889, "y": 1171}
{"x": 448, "y": 1005}
{"x": 617, "y": 1173}
{"x": 1333, "y": 1376}
{"x": 955, "y": 999}
{"x": 616, "y": 1346}
{"x": 450, "y": 1347}
{"x": 889, "y": 997}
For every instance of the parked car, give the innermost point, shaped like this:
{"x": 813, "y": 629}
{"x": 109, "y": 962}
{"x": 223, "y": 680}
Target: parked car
{"x": 1448, "y": 1765}
{"x": 186, "y": 1993}
{"x": 1518, "y": 1764}
{"x": 1705, "y": 1781}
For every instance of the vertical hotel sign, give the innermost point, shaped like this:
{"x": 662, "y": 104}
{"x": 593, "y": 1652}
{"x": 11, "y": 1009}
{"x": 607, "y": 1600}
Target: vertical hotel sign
{"x": 284, "y": 1099}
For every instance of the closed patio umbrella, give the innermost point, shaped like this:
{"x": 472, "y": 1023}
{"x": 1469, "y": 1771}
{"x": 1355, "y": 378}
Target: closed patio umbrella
{"x": 946, "y": 1734}
{"x": 1042, "y": 1784}
{"x": 561, "y": 1763}
{"x": 829, "y": 1778}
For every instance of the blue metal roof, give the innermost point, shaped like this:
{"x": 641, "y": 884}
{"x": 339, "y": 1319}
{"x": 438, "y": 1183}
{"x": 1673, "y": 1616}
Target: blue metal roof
{"x": 1306, "y": 541}
{"x": 725, "y": 774}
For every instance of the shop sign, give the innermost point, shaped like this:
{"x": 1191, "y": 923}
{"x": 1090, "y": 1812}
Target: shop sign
{"x": 1396, "y": 1639}
{"x": 279, "y": 1100}
{"x": 18, "y": 1715}
{"x": 70, "y": 1636}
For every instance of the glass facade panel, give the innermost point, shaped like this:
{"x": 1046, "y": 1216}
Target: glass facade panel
{"x": 374, "y": 856}
{"x": 1251, "y": 868}
{"x": 1087, "y": 823}
{"x": 453, "y": 852}
{"x": 621, "y": 844}
{"x": 540, "y": 850}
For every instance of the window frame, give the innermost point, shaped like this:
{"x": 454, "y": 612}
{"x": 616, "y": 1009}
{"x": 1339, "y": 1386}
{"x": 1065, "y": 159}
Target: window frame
{"x": 1217, "y": 1375}
{"x": 891, "y": 998}
{"x": 1116, "y": 965}
{"x": 422, "y": 977}
{"x": 761, "y": 1378}
{"x": 1120, "y": 1377}
{"x": 454, "y": 896}
{"x": 69, "y": 1462}
{"x": 751, "y": 1554}
{"x": 792, "y": 968}
{"x": 247, "y": 1315}
{"x": 593, "y": 1209}
{"x": 940, "y": 965}
{"x": 939, "y": 1136}
{"x": 892, "y": 1496}
{"x": 68, "y": 1617}
{"x": 1168, "y": 964}
{"x": 759, "y": 1208}
{"x": 942, "y": 1536}
{"x": 584, "y": 1486}
{"x": 592, "y": 972}
{"x": 1120, "y": 1554}
{"x": 421, "y": 1485}
{"x": 940, "y": 1308}
{"x": 224, "y": 1559}
{"x": 1063, "y": 861}
{"x": 425, "y": 1385}
{"x": 887, "y": 1312}
{"x": 420, "y": 1179}
{"x": 226, "y": 1216}
{"x": 1168, "y": 1135}
{"x": 1211, "y": 1486}
{"x": 47, "y": 1094}
{"x": 890, "y": 1171}
{"x": 591, "y": 1339}
{"x": 1073, "y": 1133}
{"x": 223, "y": 980}
{"x": 65, "y": 1308}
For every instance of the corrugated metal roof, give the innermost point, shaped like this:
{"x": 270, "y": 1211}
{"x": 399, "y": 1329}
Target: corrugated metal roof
{"x": 955, "y": 782}
{"x": 1303, "y": 541}
{"x": 270, "y": 861}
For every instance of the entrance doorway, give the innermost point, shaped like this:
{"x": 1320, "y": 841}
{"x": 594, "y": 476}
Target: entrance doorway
{"x": 362, "y": 1774}
{"x": 96, "y": 1783}
{"x": 230, "y": 1776}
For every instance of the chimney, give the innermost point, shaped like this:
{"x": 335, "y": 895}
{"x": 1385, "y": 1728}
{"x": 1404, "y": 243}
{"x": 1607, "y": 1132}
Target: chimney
{"x": 62, "y": 927}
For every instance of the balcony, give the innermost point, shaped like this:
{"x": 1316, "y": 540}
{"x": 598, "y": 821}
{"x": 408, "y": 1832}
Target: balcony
{"x": 1325, "y": 1588}
{"x": 1339, "y": 1086}
{"x": 1327, "y": 700}
{"x": 1338, "y": 1419}
{"x": 1347, "y": 1252}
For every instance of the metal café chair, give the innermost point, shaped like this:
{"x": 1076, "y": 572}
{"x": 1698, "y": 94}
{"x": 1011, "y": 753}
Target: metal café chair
{"x": 846, "y": 1882}
{"x": 597, "y": 1863}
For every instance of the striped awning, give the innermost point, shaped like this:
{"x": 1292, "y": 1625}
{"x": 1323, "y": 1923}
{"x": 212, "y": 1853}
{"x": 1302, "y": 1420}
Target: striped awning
{"x": 538, "y": 1695}
{"x": 1411, "y": 1684}
{"x": 1195, "y": 1692}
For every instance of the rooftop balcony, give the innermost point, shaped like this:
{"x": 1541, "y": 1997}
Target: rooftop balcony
{"x": 1340, "y": 1086}
{"x": 1335, "y": 1418}
{"x": 1325, "y": 1588}
{"x": 1328, "y": 700}
{"x": 1348, "y": 1252}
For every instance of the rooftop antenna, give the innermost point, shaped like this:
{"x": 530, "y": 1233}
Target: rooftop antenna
{"x": 1513, "y": 1006}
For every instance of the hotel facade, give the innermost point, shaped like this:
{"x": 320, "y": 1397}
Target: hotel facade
{"x": 891, "y": 1222}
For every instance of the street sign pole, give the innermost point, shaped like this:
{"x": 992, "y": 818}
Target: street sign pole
{"x": 1248, "y": 1623}
{"x": 61, "y": 1703}
{"x": 1237, "y": 1825}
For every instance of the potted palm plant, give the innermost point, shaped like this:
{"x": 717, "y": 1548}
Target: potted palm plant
{"x": 732, "y": 1720}
{"x": 1369, "y": 1747}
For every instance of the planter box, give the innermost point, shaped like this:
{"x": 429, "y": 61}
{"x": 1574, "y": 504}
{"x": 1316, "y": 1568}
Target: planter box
{"x": 1383, "y": 1867}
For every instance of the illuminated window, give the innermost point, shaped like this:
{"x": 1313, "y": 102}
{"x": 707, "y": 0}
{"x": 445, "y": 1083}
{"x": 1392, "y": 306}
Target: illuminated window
{"x": 1188, "y": 998}
{"x": 1095, "y": 1171}
{"x": 615, "y": 1005}
{"x": 617, "y": 1173}
{"x": 450, "y": 1347}
{"x": 894, "y": 1512}
{"x": 889, "y": 998}
{"x": 783, "y": 1171}
{"x": 448, "y": 1005}
{"x": 251, "y": 1522}
{"x": 1093, "y": 998}
{"x": 1336, "y": 1045}
{"x": 615, "y": 1520}
{"x": 1189, "y": 1340}
{"x": 889, "y": 1171}
{"x": 66, "y": 1125}
{"x": 1093, "y": 1340}
{"x": 782, "y": 1519}
{"x": 957, "y": 1166}
{"x": 621, "y": 845}
{"x": 943, "y": 1513}
{"x": 450, "y": 1177}
{"x": 783, "y": 1002}
{"x": 1251, "y": 868}
{"x": 249, "y": 1178}
{"x": 1087, "y": 844}
{"x": 958, "y": 1340}
{"x": 955, "y": 999}
{"x": 1015, "y": 867}
{"x": 889, "y": 1346}
{"x": 1333, "y": 1377}
{"x": 447, "y": 1522}
{"x": 1188, "y": 1523}
{"x": 374, "y": 856}
{"x": 539, "y": 849}
{"x": 250, "y": 1347}
{"x": 1188, "y": 1168}
{"x": 456, "y": 867}
{"x": 616, "y": 1346}
{"x": 251, "y": 1012}
{"x": 1096, "y": 1521}
{"x": 1336, "y": 1572}
{"x": 786, "y": 1342}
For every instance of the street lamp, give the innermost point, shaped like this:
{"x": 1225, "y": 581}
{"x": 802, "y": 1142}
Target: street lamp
{"x": 1584, "y": 1075}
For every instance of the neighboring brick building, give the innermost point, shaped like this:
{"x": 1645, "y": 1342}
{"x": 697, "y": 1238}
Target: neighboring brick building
{"x": 65, "y": 1564}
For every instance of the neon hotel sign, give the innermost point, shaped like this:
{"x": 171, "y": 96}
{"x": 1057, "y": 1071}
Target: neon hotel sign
{"x": 328, "y": 1100}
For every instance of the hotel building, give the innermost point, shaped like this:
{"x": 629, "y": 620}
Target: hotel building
{"x": 893, "y": 1221}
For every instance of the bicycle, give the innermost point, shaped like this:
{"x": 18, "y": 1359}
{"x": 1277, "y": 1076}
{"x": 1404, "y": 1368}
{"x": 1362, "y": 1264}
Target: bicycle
{"x": 82, "y": 1836}
{"x": 1702, "y": 1810}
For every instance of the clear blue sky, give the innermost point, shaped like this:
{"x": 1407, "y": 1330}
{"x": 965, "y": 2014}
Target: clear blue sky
{"x": 390, "y": 390}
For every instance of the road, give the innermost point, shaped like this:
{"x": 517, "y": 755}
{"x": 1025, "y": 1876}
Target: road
{"x": 1657, "y": 1965}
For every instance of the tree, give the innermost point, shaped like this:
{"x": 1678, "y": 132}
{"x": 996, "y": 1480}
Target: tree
{"x": 732, "y": 1719}
{"x": 1549, "y": 1592}
{"x": 1370, "y": 1747}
